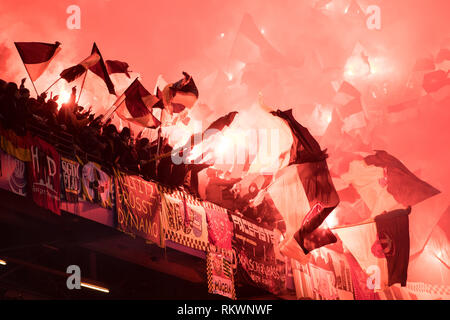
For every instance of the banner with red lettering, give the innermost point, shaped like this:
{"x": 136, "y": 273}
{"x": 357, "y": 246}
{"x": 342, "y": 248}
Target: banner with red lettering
{"x": 138, "y": 207}
{"x": 12, "y": 174}
{"x": 44, "y": 173}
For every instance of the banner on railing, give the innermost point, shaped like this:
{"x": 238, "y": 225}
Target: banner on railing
{"x": 220, "y": 228}
{"x": 97, "y": 185}
{"x": 138, "y": 207}
{"x": 44, "y": 173}
{"x": 184, "y": 219}
{"x": 14, "y": 145}
{"x": 73, "y": 199}
{"x": 12, "y": 174}
{"x": 71, "y": 182}
{"x": 255, "y": 251}
{"x": 327, "y": 276}
{"x": 220, "y": 272}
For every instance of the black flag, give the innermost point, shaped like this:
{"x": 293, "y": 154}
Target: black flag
{"x": 393, "y": 235}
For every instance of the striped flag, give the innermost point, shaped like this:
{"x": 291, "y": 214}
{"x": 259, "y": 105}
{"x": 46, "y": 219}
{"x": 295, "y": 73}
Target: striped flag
{"x": 74, "y": 72}
{"x": 135, "y": 105}
{"x": 100, "y": 70}
{"x": 384, "y": 244}
{"x": 36, "y": 56}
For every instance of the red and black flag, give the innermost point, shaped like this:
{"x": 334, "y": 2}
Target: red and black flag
{"x": 350, "y": 109}
{"x": 74, "y": 72}
{"x": 116, "y": 66}
{"x": 135, "y": 105}
{"x": 179, "y": 95}
{"x": 402, "y": 184}
{"x": 223, "y": 121}
{"x": 100, "y": 70}
{"x": 312, "y": 179}
{"x": 36, "y": 56}
{"x": 305, "y": 148}
{"x": 384, "y": 243}
{"x": 393, "y": 236}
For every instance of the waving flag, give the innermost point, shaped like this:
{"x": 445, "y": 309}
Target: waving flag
{"x": 100, "y": 70}
{"x": 305, "y": 148}
{"x": 179, "y": 95}
{"x": 223, "y": 121}
{"x": 135, "y": 105}
{"x": 36, "y": 56}
{"x": 404, "y": 186}
{"x": 115, "y": 66}
{"x": 320, "y": 196}
{"x": 385, "y": 184}
{"x": 74, "y": 72}
{"x": 384, "y": 244}
{"x": 393, "y": 234}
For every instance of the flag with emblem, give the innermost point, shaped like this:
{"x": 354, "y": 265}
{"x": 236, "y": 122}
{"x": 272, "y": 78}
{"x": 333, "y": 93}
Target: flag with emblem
{"x": 381, "y": 247}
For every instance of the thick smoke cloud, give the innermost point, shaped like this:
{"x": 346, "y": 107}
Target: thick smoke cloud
{"x": 316, "y": 38}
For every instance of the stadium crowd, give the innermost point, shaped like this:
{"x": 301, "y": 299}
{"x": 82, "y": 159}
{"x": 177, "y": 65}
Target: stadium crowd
{"x": 102, "y": 141}
{"x": 91, "y": 134}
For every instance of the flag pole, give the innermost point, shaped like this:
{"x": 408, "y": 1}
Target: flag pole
{"x": 52, "y": 84}
{"x": 114, "y": 104}
{"x": 82, "y": 86}
{"x": 32, "y": 82}
{"x": 26, "y": 69}
{"x": 353, "y": 225}
{"x": 158, "y": 149}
